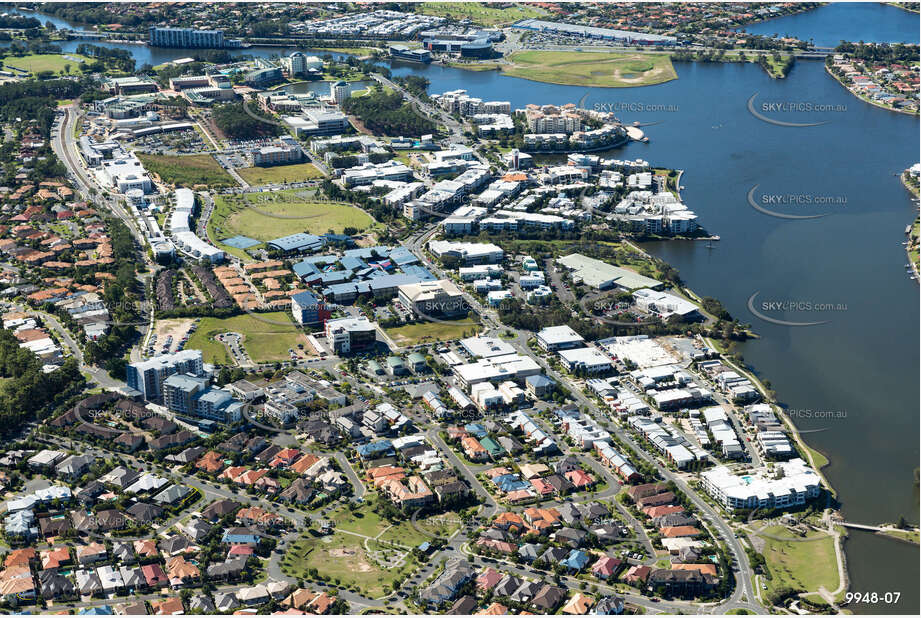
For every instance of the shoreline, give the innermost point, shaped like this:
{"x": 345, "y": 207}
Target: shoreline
{"x": 794, "y": 431}
{"x": 869, "y": 102}
{"x": 506, "y": 66}
{"x": 915, "y": 265}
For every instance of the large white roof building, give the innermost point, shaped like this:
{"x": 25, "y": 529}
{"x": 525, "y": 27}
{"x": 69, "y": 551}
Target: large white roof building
{"x": 792, "y": 483}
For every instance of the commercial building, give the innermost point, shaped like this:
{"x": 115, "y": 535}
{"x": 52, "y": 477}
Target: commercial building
{"x": 626, "y": 37}
{"x": 277, "y": 155}
{"x": 297, "y": 243}
{"x": 130, "y": 85}
{"x": 148, "y": 376}
{"x": 588, "y": 360}
{"x": 603, "y": 276}
{"x": 791, "y": 483}
{"x": 497, "y": 368}
{"x": 486, "y": 347}
{"x": 186, "y": 38}
{"x": 318, "y": 122}
{"x": 468, "y": 253}
{"x": 125, "y": 172}
{"x": 339, "y": 91}
{"x": 440, "y": 298}
{"x": 347, "y": 335}
{"x": 308, "y": 309}
{"x": 480, "y": 48}
{"x": 370, "y": 172}
{"x": 299, "y": 63}
{"x": 263, "y": 77}
{"x": 665, "y": 305}
{"x": 554, "y": 338}
{"x": 402, "y": 52}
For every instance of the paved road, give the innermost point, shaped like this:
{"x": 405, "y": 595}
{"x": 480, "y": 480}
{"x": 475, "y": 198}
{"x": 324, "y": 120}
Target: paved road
{"x": 715, "y": 521}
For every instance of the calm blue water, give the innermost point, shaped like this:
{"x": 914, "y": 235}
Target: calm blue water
{"x": 864, "y": 362}
{"x": 871, "y": 22}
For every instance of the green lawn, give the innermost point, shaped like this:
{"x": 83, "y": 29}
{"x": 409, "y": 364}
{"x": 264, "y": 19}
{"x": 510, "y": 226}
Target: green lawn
{"x": 264, "y": 216}
{"x": 279, "y": 173}
{"x": 801, "y": 564}
{"x": 480, "y": 13}
{"x": 414, "y": 334}
{"x": 775, "y": 68}
{"x": 818, "y": 458}
{"x": 405, "y": 534}
{"x": 56, "y": 63}
{"x": 362, "y": 521}
{"x": 266, "y": 337}
{"x": 476, "y": 66}
{"x": 600, "y": 69}
{"x": 187, "y": 170}
{"x": 343, "y": 559}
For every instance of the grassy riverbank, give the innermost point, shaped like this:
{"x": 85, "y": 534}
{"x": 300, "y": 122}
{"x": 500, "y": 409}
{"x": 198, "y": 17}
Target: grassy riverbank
{"x": 799, "y": 563}
{"x": 598, "y": 69}
{"x": 911, "y": 536}
{"x": 777, "y": 68}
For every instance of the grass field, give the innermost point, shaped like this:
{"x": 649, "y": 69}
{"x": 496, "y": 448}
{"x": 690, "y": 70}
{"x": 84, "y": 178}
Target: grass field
{"x": 188, "y": 170}
{"x": 344, "y": 559}
{"x": 802, "y": 564}
{"x": 600, "y": 69}
{"x": 279, "y": 173}
{"x": 263, "y": 339}
{"x": 439, "y": 525}
{"x": 264, "y": 216}
{"x": 414, "y": 334}
{"x": 362, "y": 521}
{"x": 56, "y": 63}
{"x": 479, "y": 13}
